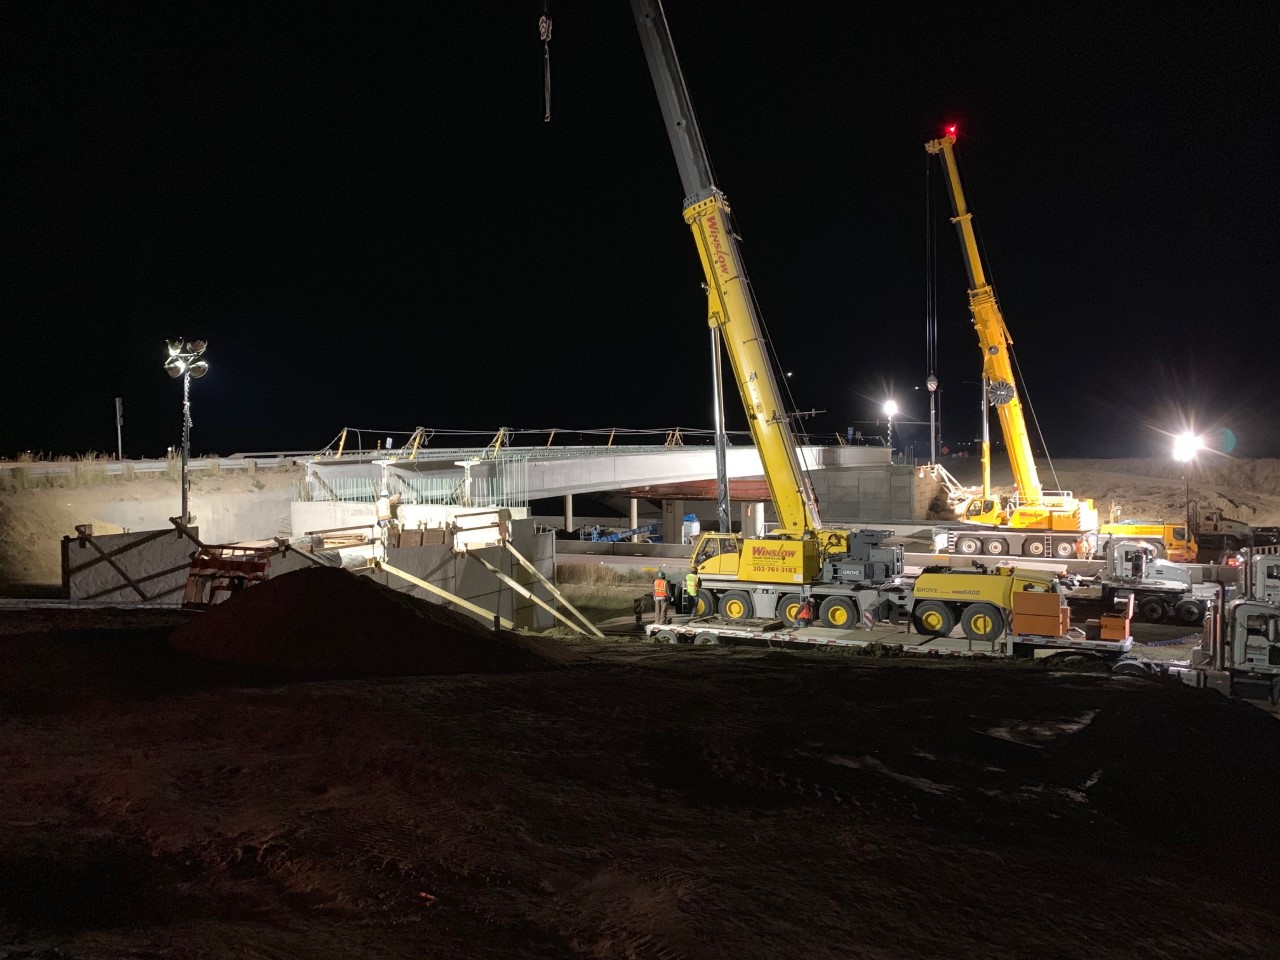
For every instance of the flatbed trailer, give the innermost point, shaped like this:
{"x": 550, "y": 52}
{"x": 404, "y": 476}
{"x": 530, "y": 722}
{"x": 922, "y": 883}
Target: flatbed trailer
{"x": 714, "y": 631}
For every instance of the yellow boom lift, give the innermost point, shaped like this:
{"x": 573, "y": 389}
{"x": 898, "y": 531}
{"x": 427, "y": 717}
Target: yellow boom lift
{"x": 1034, "y": 522}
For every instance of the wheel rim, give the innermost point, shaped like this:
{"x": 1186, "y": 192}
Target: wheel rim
{"x": 838, "y": 615}
{"x": 1064, "y": 550}
{"x": 735, "y": 608}
{"x": 1190, "y": 613}
{"x": 982, "y": 623}
{"x": 790, "y": 609}
{"x": 1035, "y": 549}
{"x": 995, "y": 547}
{"x": 968, "y": 545}
{"x": 932, "y": 620}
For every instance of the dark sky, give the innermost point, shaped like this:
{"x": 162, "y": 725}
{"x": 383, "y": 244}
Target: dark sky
{"x": 361, "y": 209}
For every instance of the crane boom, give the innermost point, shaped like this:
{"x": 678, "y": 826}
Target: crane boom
{"x": 731, "y": 307}
{"x": 993, "y": 335}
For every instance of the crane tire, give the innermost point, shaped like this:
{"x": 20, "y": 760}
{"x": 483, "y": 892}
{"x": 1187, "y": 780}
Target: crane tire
{"x": 839, "y": 613}
{"x": 1035, "y": 548}
{"x": 735, "y": 605}
{"x": 789, "y": 608}
{"x": 982, "y": 622}
{"x": 969, "y": 546}
{"x": 1189, "y": 612}
{"x": 1064, "y": 549}
{"x": 704, "y": 605}
{"x": 996, "y": 547}
{"x": 1150, "y": 609}
{"x": 933, "y": 619}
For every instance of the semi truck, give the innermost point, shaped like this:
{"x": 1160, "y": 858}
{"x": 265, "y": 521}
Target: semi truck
{"x": 1216, "y": 533}
{"x": 1239, "y": 650}
{"x": 1162, "y": 591}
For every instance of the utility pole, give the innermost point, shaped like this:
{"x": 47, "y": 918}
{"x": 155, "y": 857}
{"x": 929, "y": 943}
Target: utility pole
{"x": 119, "y": 425}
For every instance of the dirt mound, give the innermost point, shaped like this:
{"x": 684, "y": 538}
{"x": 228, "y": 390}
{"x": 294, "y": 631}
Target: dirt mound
{"x": 324, "y": 622}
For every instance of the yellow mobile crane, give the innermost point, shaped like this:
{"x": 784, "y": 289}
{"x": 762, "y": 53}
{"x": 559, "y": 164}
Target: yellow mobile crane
{"x": 770, "y": 576}
{"x": 1035, "y": 522}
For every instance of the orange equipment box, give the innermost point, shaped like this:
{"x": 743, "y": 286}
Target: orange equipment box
{"x": 1036, "y": 603}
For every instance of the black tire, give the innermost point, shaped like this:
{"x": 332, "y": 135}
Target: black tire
{"x": 1064, "y": 549}
{"x": 1035, "y": 548}
{"x": 1150, "y": 609}
{"x": 1129, "y": 668}
{"x": 789, "y": 608}
{"x": 982, "y": 622}
{"x": 705, "y": 639}
{"x": 666, "y": 636}
{"x": 996, "y": 547}
{"x": 736, "y": 605}
{"x": 838, "y": 613}
{"x": 704, "y": 605}
{"x": 1189, "y": 612}
{"x": 933, "y": 619}
{"x": 969, "y": 546}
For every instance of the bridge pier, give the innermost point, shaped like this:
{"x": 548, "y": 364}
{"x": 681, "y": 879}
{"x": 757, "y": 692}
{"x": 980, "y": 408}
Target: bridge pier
{"x": 672, "y": 521}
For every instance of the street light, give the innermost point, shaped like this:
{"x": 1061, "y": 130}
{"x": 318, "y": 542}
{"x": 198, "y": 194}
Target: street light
{"x": 1185, "y": 447}
{"x": 186, "y": 360}
{"x": 890, "y": 411}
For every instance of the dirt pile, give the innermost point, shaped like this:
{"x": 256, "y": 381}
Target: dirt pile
{"x": 324, "y": 622}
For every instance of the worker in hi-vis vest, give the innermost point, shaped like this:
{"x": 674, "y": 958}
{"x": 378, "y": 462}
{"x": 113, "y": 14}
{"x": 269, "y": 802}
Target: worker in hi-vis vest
{"x": 691, "y": 591}
{"x": 661, "y": 599}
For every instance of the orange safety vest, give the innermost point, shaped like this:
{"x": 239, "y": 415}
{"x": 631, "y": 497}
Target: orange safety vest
{"x": 660, "y": 589}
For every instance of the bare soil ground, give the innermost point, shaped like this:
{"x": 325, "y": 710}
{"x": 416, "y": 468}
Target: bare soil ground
{"x": 608, "y": 799}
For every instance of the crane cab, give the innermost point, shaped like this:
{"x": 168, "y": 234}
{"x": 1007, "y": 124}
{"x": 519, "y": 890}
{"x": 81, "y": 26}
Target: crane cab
{"x": 764, "y": 560}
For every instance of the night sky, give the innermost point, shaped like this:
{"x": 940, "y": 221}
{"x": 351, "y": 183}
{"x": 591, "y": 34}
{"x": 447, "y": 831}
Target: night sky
{"x": 361, "y": 209}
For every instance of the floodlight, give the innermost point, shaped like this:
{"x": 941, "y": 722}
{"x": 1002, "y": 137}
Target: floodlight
{"x": 1186, "y": 445}
{"x": 186, "y": 360}
{"x": 890, "y": 408}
